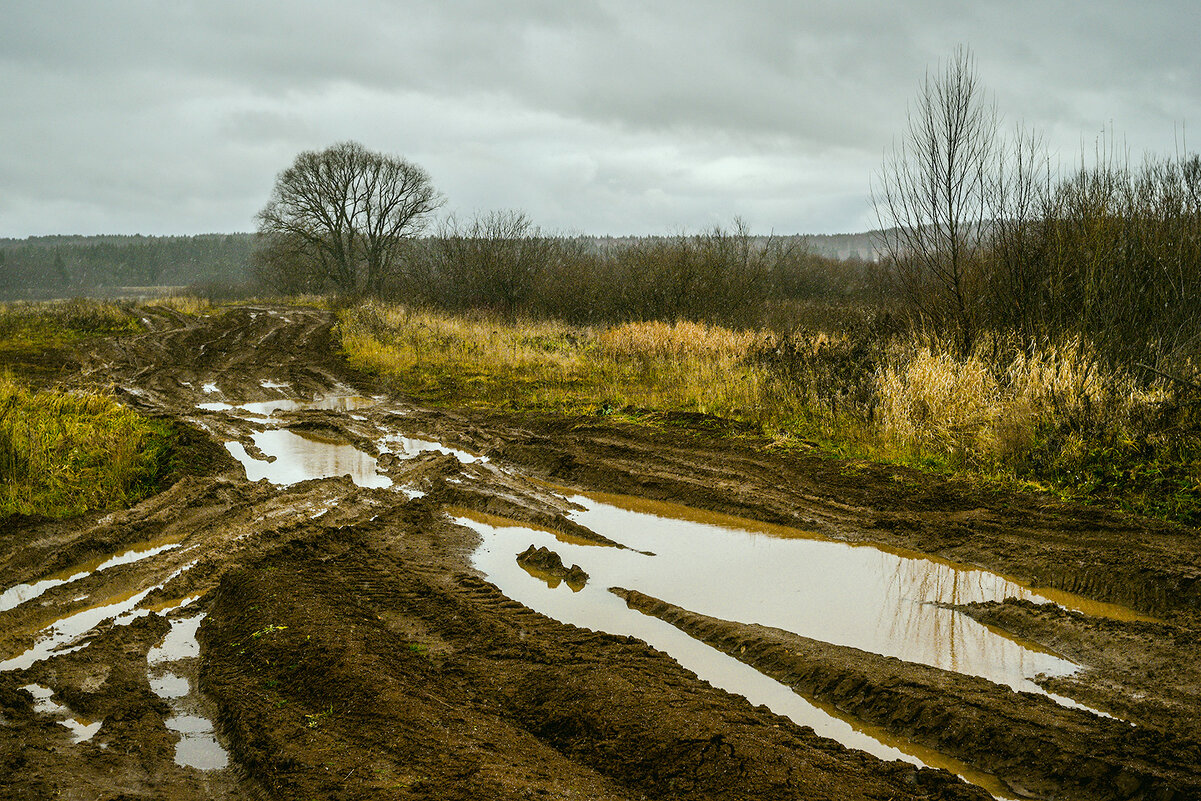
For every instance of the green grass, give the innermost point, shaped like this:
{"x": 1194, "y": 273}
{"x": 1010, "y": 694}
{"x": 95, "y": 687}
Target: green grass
{"x": 34, "y": 337}
{"x": 66, "y": 453}
{"x": 63, "y": 454}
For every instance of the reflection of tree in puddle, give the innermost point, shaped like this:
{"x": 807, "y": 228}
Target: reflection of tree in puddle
{"x": 916, "y": 617}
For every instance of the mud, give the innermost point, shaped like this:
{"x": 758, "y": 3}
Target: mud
{"x": 548, "y": 565}
{"x": 1035, "y": 746}
{"x": 348, "y": 649}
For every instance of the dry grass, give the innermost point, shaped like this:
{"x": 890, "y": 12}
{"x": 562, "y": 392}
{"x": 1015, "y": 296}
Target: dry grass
{"x": 978, "y": 413}
{"x": 1057, "y": 415}
{"x": 191, "y": 305}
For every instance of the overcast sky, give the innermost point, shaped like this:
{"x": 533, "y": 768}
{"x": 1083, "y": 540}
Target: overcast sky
{"x": 647, "y": 116}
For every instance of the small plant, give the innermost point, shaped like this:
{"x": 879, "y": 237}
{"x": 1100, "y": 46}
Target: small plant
{"x": 314, "y": 720}
{"x": 268, "y": 629}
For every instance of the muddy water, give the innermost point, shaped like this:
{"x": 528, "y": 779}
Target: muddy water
{"x": 301, "y": 455}
{"x": 889, "y": 602}
{"x": 21, "y": 593}
{"x": 593, "y": 607}
{"x": 409, "y": 447}
{"x": 60, "y": 636}
{"x": 197, "y": 746}
{"x": 858, "y": 596}
{"x": 294, "y": 456}
{"x": 82, "y": 729}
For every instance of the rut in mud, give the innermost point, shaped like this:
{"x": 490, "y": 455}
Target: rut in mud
{"x": 328, "y": 631}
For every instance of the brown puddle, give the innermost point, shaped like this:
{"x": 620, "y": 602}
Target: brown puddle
{"x": 664, "y": 509}
{"x": 82, "y": 729}
{"x": 21, "y": 593}
{"x": 61, "y": 636}
{"x": 595, "y": 608}
{"x": 299, "y": 457}
{"x": 197, "y": 746}
{"x": 335, "y": 403}
{"x": 886, "y": 601}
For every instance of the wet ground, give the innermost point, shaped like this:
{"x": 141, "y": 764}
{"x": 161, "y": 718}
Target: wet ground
{"x": 349, "y": 596}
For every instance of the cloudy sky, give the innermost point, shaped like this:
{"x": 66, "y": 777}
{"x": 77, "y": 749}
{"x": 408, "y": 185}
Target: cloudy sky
{"x": 593, "y": 116}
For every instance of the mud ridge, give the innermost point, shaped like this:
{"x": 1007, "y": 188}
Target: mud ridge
{"x": 1038, "y": 748}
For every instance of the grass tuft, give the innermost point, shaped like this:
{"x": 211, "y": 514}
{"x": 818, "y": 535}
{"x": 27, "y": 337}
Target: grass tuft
{"x": 63, "y": 454}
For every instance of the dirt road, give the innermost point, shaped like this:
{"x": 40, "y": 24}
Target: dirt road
{"x": 332, "y": 637}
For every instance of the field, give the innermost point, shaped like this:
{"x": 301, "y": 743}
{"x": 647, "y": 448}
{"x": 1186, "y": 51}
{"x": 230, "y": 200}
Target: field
{"x": 347, "y": 627}
{"x": 1058, "y": 418}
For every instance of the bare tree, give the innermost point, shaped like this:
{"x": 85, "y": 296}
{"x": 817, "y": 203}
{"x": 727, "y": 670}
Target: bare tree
{"x": 348, "y": 212}
{"x": 932, "y": 198}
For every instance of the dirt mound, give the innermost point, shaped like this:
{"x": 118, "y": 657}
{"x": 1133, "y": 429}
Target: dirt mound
{"x": 545, "y": 562}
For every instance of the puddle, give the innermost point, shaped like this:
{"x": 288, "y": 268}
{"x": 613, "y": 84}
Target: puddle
{"x": 179, "y": 643}
{"x": 300, "y": 456}
{"x": 889, "y": 602}
{"x": 594, "y": 607}
{"x": 408, "y": 447}
{"x": 57, "y": 638}
{"x": 21, "y": 593}
{"x": 168, "y": 686}
{"x": 853, "y": 595}
{"x": 197, "y": 746}
{"x": 82, "y": 729}
{"x": 333, "y": 403}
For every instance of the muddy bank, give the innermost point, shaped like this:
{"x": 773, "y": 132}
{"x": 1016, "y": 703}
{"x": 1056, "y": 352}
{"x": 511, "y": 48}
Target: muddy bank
{"x": 1037, "y": 747}
{"x": 1148, "y": 672}
{"x": 356, "y": 648}
{"x": 1147, "y": 564}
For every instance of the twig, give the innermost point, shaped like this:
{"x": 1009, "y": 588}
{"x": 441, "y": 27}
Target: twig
{"x": 1190, "y": 384}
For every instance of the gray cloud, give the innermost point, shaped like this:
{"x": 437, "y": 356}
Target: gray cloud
{"x": 606, "y": 116}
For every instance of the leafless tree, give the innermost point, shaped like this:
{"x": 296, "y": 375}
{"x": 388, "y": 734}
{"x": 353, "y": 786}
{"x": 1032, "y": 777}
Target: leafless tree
{"x": 349, "y": 212}
{"x": 932, "y": 198}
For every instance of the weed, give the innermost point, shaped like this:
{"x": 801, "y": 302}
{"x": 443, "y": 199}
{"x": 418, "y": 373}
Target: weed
{"x": 268, "y": 629}
{"x": 1056, "y": 415}
{"x": 314, "y": 720}
{"x": 63, "y": 454}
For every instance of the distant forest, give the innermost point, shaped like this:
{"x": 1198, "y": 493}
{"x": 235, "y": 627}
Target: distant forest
{"x": 44, "y": 267}
{"x": 68, "y": 266}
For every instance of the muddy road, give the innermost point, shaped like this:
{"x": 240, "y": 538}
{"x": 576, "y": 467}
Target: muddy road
{"x": 347, "y": 596}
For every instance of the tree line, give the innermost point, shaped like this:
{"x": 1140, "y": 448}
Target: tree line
{"x": 354, "y": 221}
{"x": 68, "y": 266}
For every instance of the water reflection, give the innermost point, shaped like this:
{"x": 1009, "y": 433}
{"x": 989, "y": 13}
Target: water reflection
{"x": 21, "y": 593}
{"x": 593, "y": 606}
{"x": 197, "y": 746}
{"x": 884, "y": 602}
{"x": 82, "y": 729}
{"x": 300, "y": 456}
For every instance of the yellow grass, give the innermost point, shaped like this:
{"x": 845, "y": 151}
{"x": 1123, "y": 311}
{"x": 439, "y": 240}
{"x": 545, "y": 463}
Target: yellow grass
{"x": 190, "y": 305}
{"x": 1057, "y": 415}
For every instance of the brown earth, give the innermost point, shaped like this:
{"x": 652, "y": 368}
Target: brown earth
{"x": 349, "y": 650}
